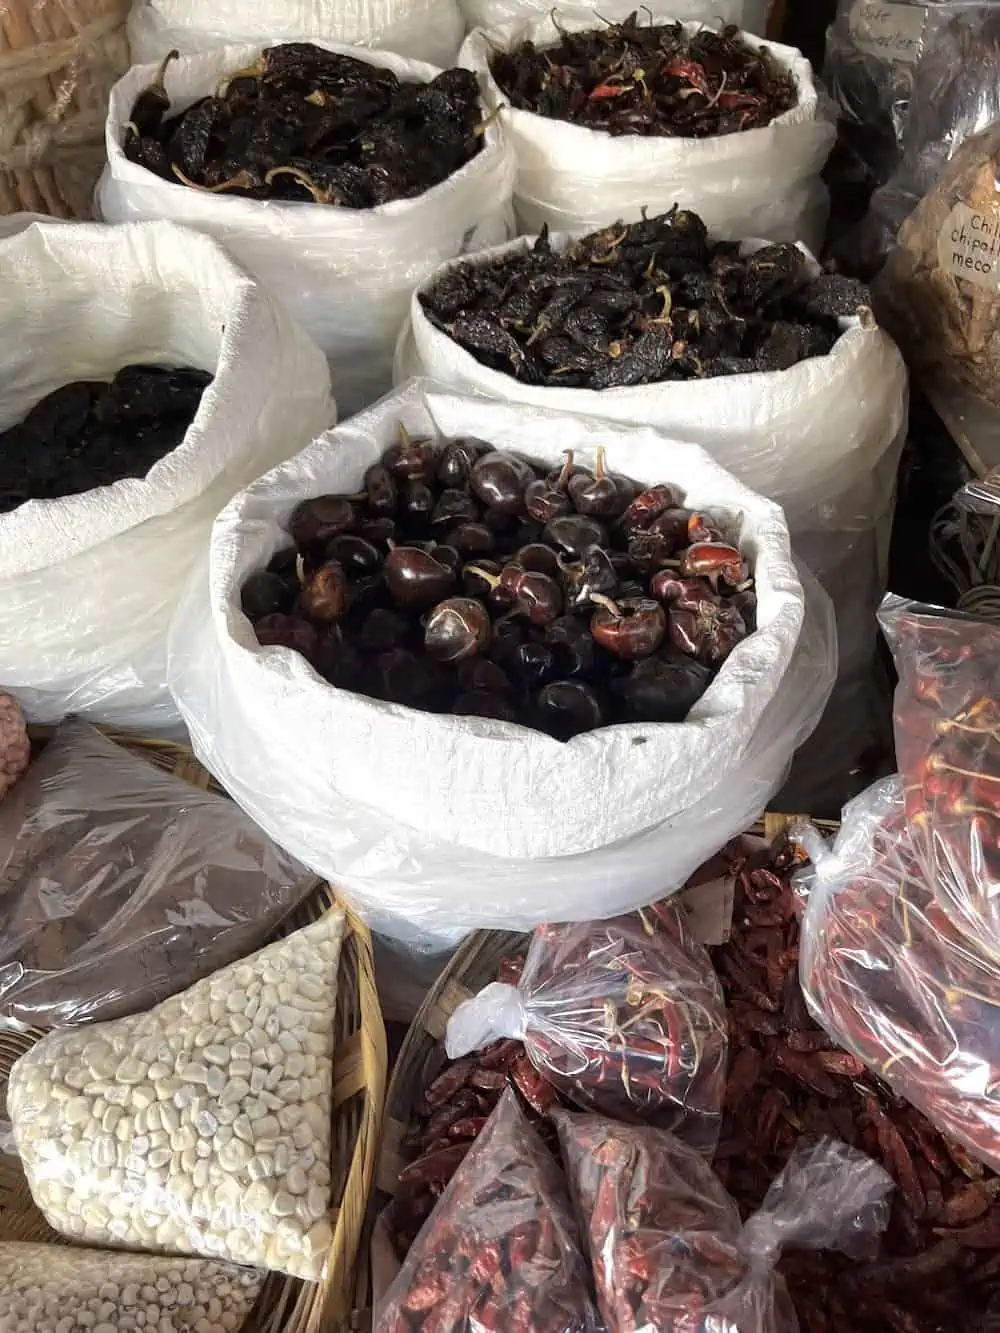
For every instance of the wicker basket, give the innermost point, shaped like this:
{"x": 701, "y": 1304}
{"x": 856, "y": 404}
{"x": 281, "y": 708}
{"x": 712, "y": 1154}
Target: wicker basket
{"x": 286, "y": 1305}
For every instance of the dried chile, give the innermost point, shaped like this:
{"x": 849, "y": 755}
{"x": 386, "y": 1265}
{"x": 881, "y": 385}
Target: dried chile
{"x": 311, "y": 125}
{"x": 500, "y": 1250}
{"x": 922, "y": 1279}
{"x": 462, "y": 596}
{"x": 90, "y": 433}
{"x": 625, "y": 1017}
{"x": 649, "y": 79}
{"x": 641, "y": 303}
{"x": 668, "y": 1248}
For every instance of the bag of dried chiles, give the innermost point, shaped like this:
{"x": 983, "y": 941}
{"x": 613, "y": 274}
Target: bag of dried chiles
{"x": 666, "y": 1241}
{"x": 625, "y": 1017}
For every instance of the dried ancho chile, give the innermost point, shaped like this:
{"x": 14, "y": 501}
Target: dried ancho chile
{"x": 464, "y": 579}
{"x": 642, "y": 303}
{"x": 652, "y": 79}
{"x": 90, "y": 433}
{"x": 307, "y": 124}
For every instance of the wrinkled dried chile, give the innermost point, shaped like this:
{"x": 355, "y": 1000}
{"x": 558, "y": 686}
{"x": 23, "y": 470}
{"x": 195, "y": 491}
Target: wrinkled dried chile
{"x": 89, "y": 433}
{"x": 307, "y": 124}
{"x": 564, "y": 626}
{"x": 939, "y": 1263}
{"x": 652, "y": 79}
{"x": 640, "y": 304}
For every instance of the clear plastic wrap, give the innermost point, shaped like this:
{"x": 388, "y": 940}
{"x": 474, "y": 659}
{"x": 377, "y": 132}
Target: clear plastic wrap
{"x": 52, "y": 1288}
{"x": 201, "y": 1127}
{"x": 668, "y": 1248}
{"x": 344, "y": 274}
{"x": 624, "y": 1017}
{"x": 888, "y": 977}
{"x": 946, "y": 720}
{"x": 88, "y": 582}
{"x": 121, "y": 884}
{"x": 760, "y": 182}
{"x": 500, "y": 1250}
{"x": 402, "y": 809}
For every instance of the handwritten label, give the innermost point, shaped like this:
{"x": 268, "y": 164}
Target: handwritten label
{"x": 969, "y": 246}
{"x": 892, "y": 31}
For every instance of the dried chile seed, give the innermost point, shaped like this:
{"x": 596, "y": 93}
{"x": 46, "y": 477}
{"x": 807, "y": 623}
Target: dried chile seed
{"x": 500, "y": 480}
{"x": 457, "y": 628}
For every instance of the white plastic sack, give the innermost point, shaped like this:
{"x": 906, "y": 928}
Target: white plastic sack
{"x": 88, "y": 583}
{"x": 421, "y": 29}
{"x": 443, "y": 823}
{"x": 345, "y": 274}
{"x": 752, "y": 15}
{"x": 763, "y": 182}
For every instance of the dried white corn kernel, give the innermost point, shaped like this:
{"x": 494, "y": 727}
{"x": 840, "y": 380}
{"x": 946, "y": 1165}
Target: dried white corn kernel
{"x": 200, "y": 1158}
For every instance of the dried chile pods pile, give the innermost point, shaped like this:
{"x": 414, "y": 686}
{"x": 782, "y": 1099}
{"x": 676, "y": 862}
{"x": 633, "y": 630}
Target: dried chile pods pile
{"x": 939, "y": 1263}
{"x": 653, "y": 79}
{"x": 307, "y": 124}
{"x": 652, "y": 301}
{"x": 470, "y": 581}
{"x": 90, "y": 433}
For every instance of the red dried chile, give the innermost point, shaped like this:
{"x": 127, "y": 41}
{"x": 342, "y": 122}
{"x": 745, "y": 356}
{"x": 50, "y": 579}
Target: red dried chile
{"x": 886, "y": 974}
{"x": 668, "y": 1248}
{"x": 499, "y": 1253}
{"x": 947, "y": 730}
{"x": 624, "y": 1016}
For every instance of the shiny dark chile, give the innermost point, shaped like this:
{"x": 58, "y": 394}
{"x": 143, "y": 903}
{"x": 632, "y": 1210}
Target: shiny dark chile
{"x": 630, "y": 628}
{"x": 500, "y": 480}
{"x": 410, "y": 459}
{"x": 324, "y": 595}
{"x": 264, "y": 594}
{"x": 316, "y": 522}
{"x": 565, "y": 708}
{"x": 457, "y": 628}
{"x": 416, "y": 578}
{"x": 660, "y": 689}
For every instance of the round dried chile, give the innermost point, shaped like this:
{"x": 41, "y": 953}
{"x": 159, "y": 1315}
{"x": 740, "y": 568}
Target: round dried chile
{"x": 631, "y": 628}
{"x": 547, "y": 499}
{"x": 454, "y": 507}
{"x": 411, "y": 459}
{"x": 378, "y": 531}
{"x": 404, "y": 677}
{"x": 324, "y": 594}
{"x": 480, "y": 703}
{"x": 381, "y": 490}
{"x": 456, "y": 629}
{"x": 337, "y": 660}
{"x": 471, "y": 538}
{"x": 479, "y": 673}
{"x": 283, "y": 631}
{"x": 536, "y": 595}
{"x": 416, "y": 503}
{"x": 316, "y": 522}
{"x": 576, "y": 651}
{"x": 599, "y": 494}
{"x": 663, "y": 688}
{"x": 500, "y": 481}
{"x": 647, "y": 505}
{"x": 539, "y": 557}
{"x": 416, "y": 579}
{"x": 715, "y": 561}
{"x": 534, "y": 665}
{"x": 285, "y": 563}
{"x": 574, "y": 533}
{"x": 508, "y": 635}
{"x": 565, "y": 708}
{"x": 457, "y": 460}
{"x": 357, "y": 555}
{"x": 263, "y": 594}
{"x": 383, "y": 629}
{"x": 709, "y": 633}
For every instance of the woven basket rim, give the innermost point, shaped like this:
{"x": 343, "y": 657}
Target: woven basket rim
{"x": 286, "y": 1304}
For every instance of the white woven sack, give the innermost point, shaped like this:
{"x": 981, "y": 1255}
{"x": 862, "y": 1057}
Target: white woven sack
{"x": 447, "y": 823}
{"x": 345, "y": 274}
{"x": 421, "y": 29}
{"x": 88, "y": 583}
{"x": 763, "y": 182}
{"x": 751, "y": 15}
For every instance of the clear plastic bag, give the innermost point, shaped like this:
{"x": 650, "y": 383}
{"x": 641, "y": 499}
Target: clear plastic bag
{"x": 121, "y": 884}
{"x": 500, "y": 1250}
{"x": 888, "y": 977}
{"x": 946, "y": 720}
{"x": 669, "y": 1251}
{"x": 625, "y": 1017}
{"x": 201, "y": 1127}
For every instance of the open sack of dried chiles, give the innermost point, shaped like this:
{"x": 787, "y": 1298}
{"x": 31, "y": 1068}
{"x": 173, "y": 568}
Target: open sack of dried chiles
{"x": 887, "y": 975}
{"x": 625, "y": 1017}
{"x": 138, "y": 394}
{"x": 388, "y": 613}
{"x": 500, "y": 1251}
{"x": 338, "y": 176}
{"x": 121, "y": 884}
{"x": 666, "y": 1241}
{"x": 608, "y": 119}
{"x": 946, "y": 720}
{"x": 200, "y": 1127}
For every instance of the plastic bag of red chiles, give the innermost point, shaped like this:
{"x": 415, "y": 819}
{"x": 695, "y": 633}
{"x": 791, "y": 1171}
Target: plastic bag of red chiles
{"x": 500, "y": 1251}
{"x": 891, "y": 980}
{"x": 625, "y": 1017}
{"x": 947, "y": 730}
{"x": 669, "y": 1250}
